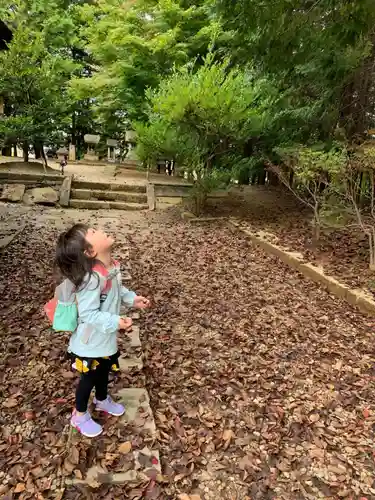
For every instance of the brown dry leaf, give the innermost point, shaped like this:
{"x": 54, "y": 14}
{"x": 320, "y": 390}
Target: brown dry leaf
{"x": 314, "y": 418}
{"x": 20, "y": 487}
{"x": 125, "y": 448}
{"x": 10, "y": 403}
{"x": 68, "y": 466}
{"x": 37, "y": 471}
{"x": 183, "y": 496}
{"x": 228, "y": 434}
{"x": 178, "y": 477}
{"x": 317, "y": 453}
{"x": 78, "y": 474}
{"x": 74, "y": 455}
{"x": 245, "y": 463}
{"x": 93, "y": 483}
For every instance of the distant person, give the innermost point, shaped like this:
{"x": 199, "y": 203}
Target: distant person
{"x": 169, "y": 167}
{"x": 63, "y": 164}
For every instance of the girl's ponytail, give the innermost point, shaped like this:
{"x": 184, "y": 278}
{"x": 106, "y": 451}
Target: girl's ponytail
{"x": 72, "y": 255}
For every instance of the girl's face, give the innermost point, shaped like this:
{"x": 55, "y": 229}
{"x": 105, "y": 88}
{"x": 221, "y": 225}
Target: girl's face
{"x": 99, "y": 241}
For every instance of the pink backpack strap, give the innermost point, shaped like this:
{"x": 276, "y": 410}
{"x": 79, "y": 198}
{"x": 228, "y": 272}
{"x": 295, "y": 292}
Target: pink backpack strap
{"x": 103, "y": 271}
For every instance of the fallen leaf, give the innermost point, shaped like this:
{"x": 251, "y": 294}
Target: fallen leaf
{"x": 366, "y": 413}
{"x": 228, "y": 435}
{"x": 10, "y": 403}
{"x": 68, "y": 466}
{"x": 125, "y": 447}
{"x": 20, "y": 487}
{"x": 314, "y": 418}
{"x": 29, "y": 415}
{"x": 74, "y": 455}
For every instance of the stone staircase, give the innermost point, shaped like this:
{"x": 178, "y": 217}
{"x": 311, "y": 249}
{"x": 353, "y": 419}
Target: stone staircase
{"x": 142, "y": 466}
{"x": 102, "y": 195}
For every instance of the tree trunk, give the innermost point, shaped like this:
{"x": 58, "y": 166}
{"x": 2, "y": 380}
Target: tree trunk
{"x": 291, "y": 178}
{"x": 371, "y": 240}
{"x": 316, "y": 227}
{"x": 262, "y": 178}
{"x": 38, "y": 148}
{"x": 25, "y": 152}
{"x": 73, "y": 138}
{"x": 362, "y": 189}
{"x": 273, "y": 179}
{"x": 44, "y": 158}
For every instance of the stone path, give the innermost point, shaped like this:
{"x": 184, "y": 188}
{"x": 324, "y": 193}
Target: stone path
{"x": 142, "y": 465}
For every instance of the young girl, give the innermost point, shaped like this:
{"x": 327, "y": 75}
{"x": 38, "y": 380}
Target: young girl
{"x": 84, "y": 257}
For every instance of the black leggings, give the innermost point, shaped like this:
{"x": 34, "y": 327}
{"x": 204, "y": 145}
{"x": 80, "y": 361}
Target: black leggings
{"x": 97, "y": 378}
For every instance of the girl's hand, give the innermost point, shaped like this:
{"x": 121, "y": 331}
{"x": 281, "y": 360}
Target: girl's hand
{"x": 141, "y": 302}
{"x": 125, "y": 324}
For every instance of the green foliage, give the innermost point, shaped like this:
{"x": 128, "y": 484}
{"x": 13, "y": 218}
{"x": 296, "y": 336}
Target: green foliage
{"x": 312, "y": 165}
{"x": 315, "y": 170}
{"x": 134, "y": 45}
{"x": 213, "y": 82}
{"x": 32, "y": 80}
{"x": 205, "y": 115}
{"x": 35, "y": 71}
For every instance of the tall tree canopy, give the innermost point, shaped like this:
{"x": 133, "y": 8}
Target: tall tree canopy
{"x": 314, "y": 61}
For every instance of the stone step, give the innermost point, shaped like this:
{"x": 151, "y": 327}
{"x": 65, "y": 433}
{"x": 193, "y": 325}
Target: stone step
{"x": 106, "y": 205}
{"x": 146, "y": 465}
{"x": 109, "y": 186}
{"x": 96, "y": 194}
{"x": 138, "y": 409}
{"x": 129, "y": 364}
{"x": 133, "y": 337}
{"x": 131, "y": 347}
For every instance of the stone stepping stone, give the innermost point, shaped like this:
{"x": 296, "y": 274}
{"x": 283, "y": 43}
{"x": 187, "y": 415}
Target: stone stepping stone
{"x": 133, "y": 337}
{"x": 128, "y": 364}
{"x": 138, "y": 409}
{"x": 131, "y": 348}
{"x": 147, "y": 459}
{"x": 146, "y": 466}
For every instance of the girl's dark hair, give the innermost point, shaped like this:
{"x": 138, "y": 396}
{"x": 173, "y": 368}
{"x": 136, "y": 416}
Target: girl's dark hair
{"x": 71, "y": 257}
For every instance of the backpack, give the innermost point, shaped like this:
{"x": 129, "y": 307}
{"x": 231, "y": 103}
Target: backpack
{"x": 62, "y": 310}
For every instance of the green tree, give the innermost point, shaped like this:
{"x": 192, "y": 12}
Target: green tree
{"x": 203, "y": 118}
{"x": 34, "y": 73}
{"x": 315, "y": 172}
{"x": 134, "y": 46}
{"x": 320, "y": 53}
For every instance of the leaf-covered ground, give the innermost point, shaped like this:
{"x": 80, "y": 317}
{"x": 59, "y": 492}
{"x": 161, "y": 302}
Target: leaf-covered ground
{"x": 343, "y": 253}
{"x": 262, "y": 384}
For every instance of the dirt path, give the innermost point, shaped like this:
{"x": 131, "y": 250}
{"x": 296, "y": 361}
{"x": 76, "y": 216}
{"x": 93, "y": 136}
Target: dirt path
{"x": 343, "y": 252}
{"x": 93, "y": 173}
{"x": 262, "y": 384}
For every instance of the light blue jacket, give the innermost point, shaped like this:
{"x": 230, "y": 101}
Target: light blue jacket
{"x": 99, "y": 303}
